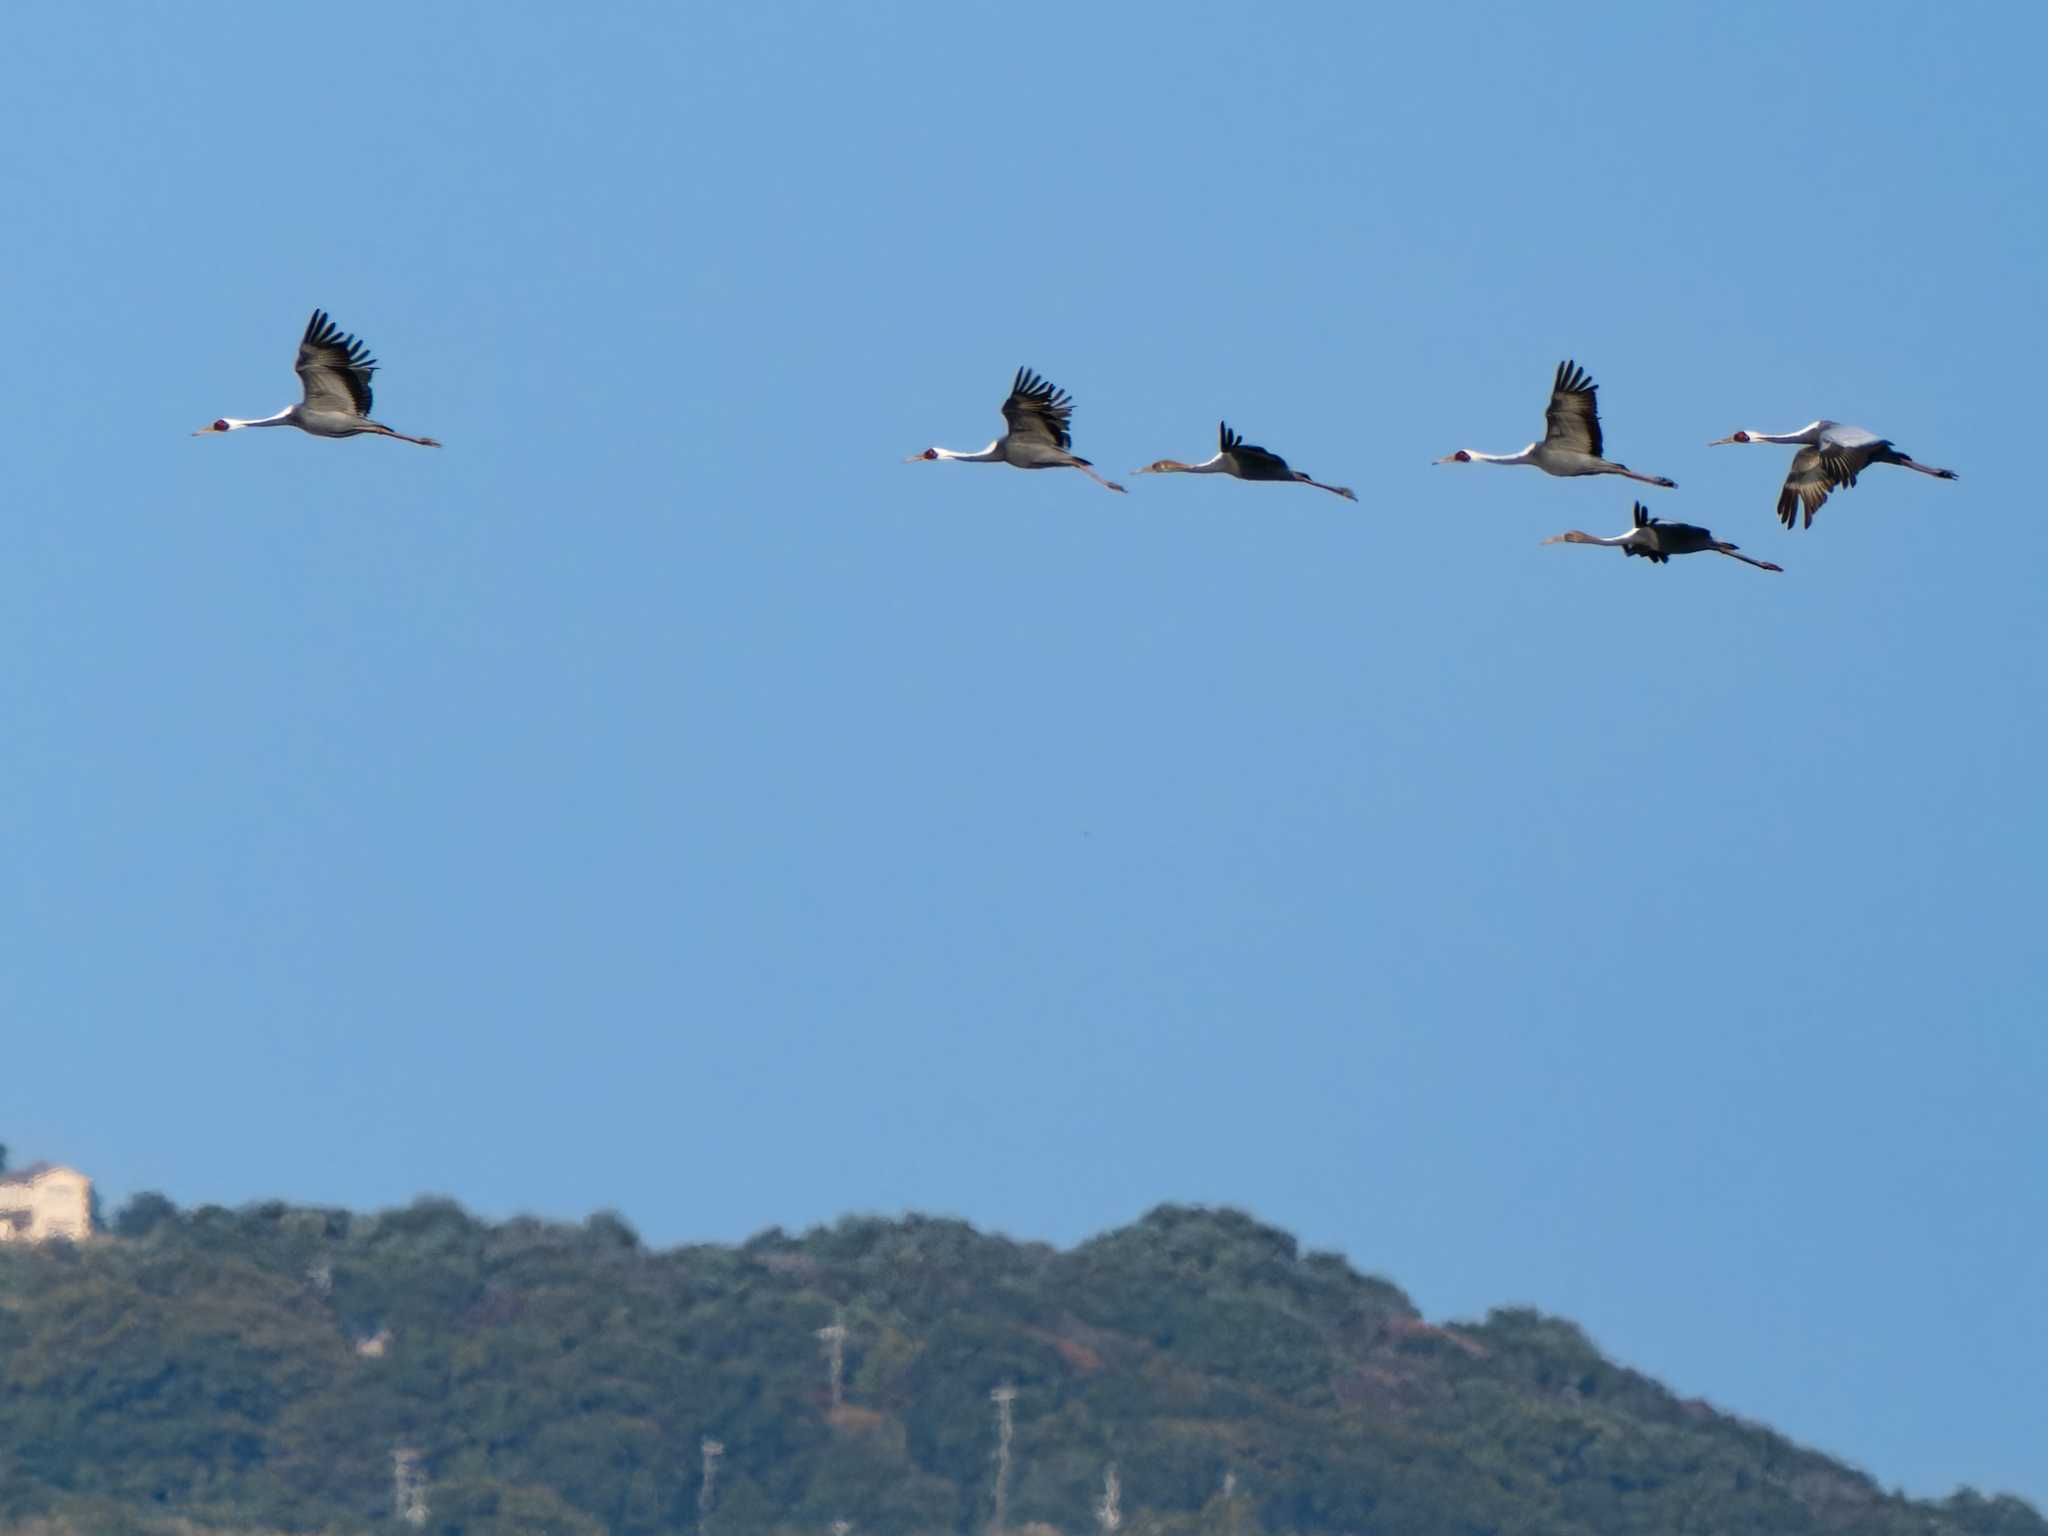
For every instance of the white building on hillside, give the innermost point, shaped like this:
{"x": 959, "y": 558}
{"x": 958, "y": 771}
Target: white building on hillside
{"x": 45, "y": 1201}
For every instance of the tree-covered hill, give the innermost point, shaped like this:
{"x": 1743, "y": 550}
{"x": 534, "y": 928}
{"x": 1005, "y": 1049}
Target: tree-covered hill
{"x": 258, "y": 1369}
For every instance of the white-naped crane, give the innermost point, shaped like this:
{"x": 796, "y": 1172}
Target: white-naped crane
{"x": 1830, "y": 458}
{"x": 1037, "y": 414}
{"x": 1247, "y": 461}
{"x": 335, "y": 370}
{"x": 1657, "y": 541}
{"x": 1571, "y": 435}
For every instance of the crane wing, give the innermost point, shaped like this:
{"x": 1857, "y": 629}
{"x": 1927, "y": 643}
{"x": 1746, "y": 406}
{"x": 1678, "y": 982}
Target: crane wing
{"x": 1807, "y": 485}
{"x": 1645, "y": 543}
{"x": 1817, "y": 471}
{"x": 1256, "y": 462}
{"x": 335, "y": 368}
{"x": 1038, "y": 409}
{"x": 1573, "y": 420}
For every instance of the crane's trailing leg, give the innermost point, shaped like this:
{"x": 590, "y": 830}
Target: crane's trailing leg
{"x": 1735, "y": 554}
{"x": 1089, "y": 470}
{"x": 1906, "y": 461}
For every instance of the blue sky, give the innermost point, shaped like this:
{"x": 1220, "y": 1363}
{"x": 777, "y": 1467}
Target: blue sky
{"x": 666, "y": 799}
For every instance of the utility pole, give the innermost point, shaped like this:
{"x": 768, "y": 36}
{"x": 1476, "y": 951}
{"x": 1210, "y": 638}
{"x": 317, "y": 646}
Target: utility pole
{"x": 408, "y": 1486}
{"x": 1107, "y": 1515}
{"x": 834, "y": 1335}
{"x": 1002, "y": 1397}
{"x": 713, "y": 1449}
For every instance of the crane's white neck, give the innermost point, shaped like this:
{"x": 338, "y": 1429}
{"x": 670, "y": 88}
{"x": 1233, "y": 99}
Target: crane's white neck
{"x": 1810, "y": 433}
{"x": 987, "y": 455}
{"x": 1524, "y": 457}
{"x": 282, "y": 418}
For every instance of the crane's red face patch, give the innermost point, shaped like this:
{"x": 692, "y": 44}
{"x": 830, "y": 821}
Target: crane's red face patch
{"x": 1462, "y": 456}
{"x": 931, "y": 453}
{"x": 1742, "y": 437}
{"x": 221, "y": 425}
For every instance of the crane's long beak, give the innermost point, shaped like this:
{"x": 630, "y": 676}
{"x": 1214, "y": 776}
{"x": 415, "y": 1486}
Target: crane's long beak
{"x": 1449, "y": 458}
{"x": 205, "y": 431}
{"x": 1717, "y": 442}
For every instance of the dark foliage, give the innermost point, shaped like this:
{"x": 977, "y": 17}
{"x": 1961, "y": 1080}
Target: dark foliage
{"x": 235, "y": 1370}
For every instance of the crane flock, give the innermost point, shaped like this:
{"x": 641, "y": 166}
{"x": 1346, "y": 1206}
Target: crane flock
{"x": 334, "y": 371}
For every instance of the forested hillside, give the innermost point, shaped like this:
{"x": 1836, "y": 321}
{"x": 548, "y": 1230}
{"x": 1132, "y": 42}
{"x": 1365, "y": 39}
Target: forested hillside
{"x": 257, "y": 1369}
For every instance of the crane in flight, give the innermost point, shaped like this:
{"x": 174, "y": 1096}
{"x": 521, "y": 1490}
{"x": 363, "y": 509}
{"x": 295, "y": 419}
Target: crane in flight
{"x": 1657, "y": 541}
{"x": 1830, "y": 458}
{"x": 335, "y": 371}
{"x": 1247, "y": 461}
{"x": 1037, "y": 414}
{"x": 1571, "y": 435}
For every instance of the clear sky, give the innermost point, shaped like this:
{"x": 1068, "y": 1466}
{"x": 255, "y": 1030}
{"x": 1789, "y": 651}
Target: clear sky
{"x": 665, "y": 798}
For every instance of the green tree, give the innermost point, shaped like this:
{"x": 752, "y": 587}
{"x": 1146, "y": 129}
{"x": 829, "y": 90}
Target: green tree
{"x": 143, "y": 1214}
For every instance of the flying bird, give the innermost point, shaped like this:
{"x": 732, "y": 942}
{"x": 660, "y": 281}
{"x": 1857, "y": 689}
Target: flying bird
{"x": 1247, "y": 461}
{"x": 1037, "y": 414}
{"x": 1571, "y": 436}
{"x": 335, "y": 370}
{"x": 1657, "y": 541}
{"x": 1831, "y": 458}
